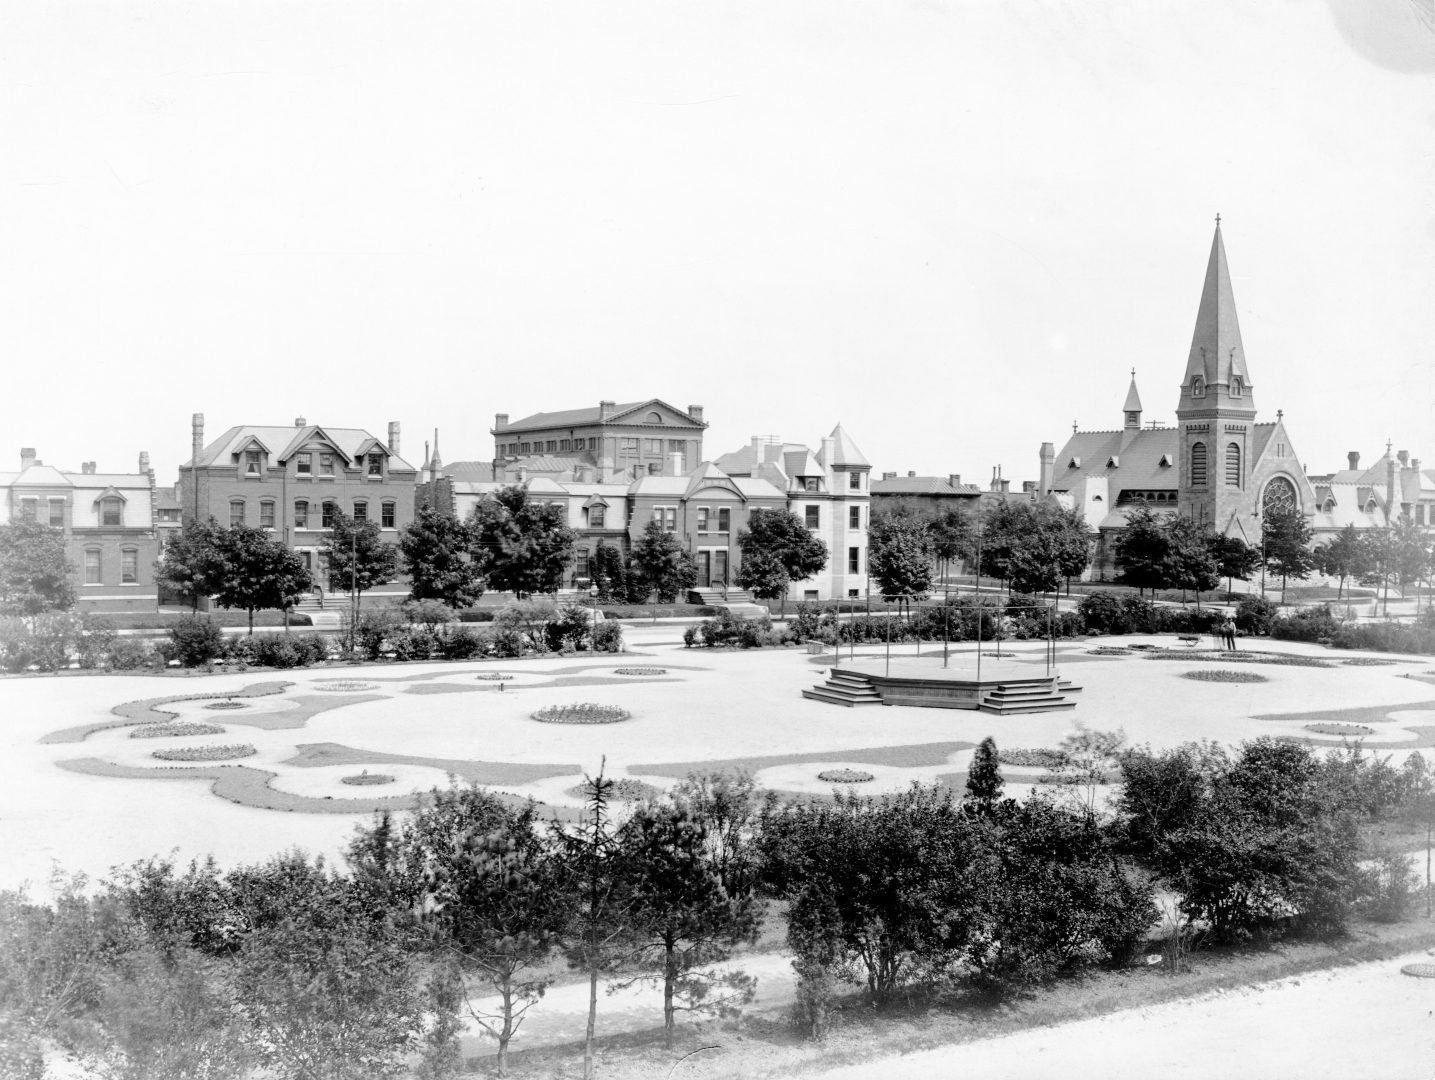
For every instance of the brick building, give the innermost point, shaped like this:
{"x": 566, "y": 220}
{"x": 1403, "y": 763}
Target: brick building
{"x": 108, "y": 524}
{"x": 612, "y": 443}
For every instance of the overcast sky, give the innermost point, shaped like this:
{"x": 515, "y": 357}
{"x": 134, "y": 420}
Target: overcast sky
{"x": 952, "y": 226}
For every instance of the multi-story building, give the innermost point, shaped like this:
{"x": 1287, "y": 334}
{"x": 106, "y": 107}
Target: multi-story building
{"x": 108, "y": 524}
{"x": 292, "y": 480}
{"x": 613, "y": 443}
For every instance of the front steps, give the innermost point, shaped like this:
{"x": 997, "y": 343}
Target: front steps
{"x": 713, "y": 597}
{"x": 1008, "y": 700}
{"x": 844, "y": 688}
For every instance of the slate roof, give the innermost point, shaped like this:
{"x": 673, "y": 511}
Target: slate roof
{"x": 844, "y": 450}
{"x": 1139, "y": 465}
{"x": 49, "y": 476}
{"x": 922, "y": 485}
{"x": 1216, "y": 349}
{"x": 470, "y": 471}
{"x": 579, "y": 417}
{"x": 285, "y": 441}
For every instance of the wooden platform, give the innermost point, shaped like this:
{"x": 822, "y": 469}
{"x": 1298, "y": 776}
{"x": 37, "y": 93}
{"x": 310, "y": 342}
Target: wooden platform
{"x": 1002, "y": 687}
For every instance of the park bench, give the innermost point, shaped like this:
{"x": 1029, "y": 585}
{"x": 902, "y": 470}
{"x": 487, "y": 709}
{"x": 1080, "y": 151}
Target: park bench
{"x": 1190, "y": 640}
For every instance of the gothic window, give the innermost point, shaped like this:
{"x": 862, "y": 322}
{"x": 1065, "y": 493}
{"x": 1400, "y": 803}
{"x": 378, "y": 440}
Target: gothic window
{"x": 1198, "y": 386}
{"x": 1237, "y": 386}
{"x": 1198, "y": 464}
{"x": 1233, "y": 465}
{"x": 1279, "y": 495}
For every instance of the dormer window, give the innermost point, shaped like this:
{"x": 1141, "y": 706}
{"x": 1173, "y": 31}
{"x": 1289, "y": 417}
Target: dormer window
{"x": 376, "y": 464}
{"x": 810, "y": 483}
{"x": 112, "y": 511}
{"x": 1113, "y": 462}
{"x": 1165, "y": 461}
{"x": 1198, "y": 386}
{"x": 326, "y": 464}
{"x": 251, "y": 463}
{"x": 1074, "y": 463}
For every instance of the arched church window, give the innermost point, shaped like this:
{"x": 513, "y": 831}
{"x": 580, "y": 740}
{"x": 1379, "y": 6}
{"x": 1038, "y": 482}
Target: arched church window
{"x": 1237, "y": 386}
{"x": 1198, "y": 386}
{"x": 1233, "y": 465}
{"x": 1279, "y": 495}
{"x": 1198, "y": 464}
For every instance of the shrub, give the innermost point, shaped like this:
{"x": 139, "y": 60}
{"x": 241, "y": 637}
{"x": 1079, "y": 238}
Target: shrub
{"x": 1255, "y": 615}
{"x": 97, "y": 637}
{"x": 17, "y": 647}
{"x": 1385, "y": 637}
{"x": 193, "y": 640}
{"x": 508, "y": 642}
{"x": 738, "y": 631}
{"x": 373, "y": 629}
{"x": 1306, "y": 624}
{"x": 1040, "y": 757}
{"x": 411, "y": 643}
{"x": 608, "y": 638}
{"x": 460, "y": 644}
{"x": 1103, "y": 613}
{"x": 430, "y": 614}
{"x": 691, "y": 637}
{"x": 276, "y": 651}
{"x": 130, "y": 654}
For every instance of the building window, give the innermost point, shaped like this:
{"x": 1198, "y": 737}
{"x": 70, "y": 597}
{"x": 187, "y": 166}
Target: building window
{"x": 266, "y": 514}
{"x": 854, "y": 517}
{"x": 1237, "y": 387}
{"x": 28, "y": 509}
{"x": 304, "y": 465}
{"x": 629, "y": 444}
{"x": 1198, "y": 386}
{"x": 326, "y": 464}
{"x": 112, "y": 511}
{"x": 853, "y": 594}
{"x": 326, "y": 516}
{"x": 580, "y": 563}
{"x": 376, "y": 464}
{"x": 551, "y": 446}
{"x": 811, "y": 484}
{"x": 361, "y": 510}
{"x": 251, "y": 463}
{"x": 236, "y": 512}
{"x": 703, "y": 519}
{"x": 809, "y": 594}
{"x": 854, "y": 560}
{"x": 129, "y": 566}
{"x": 524, "y": 448}
{"x": 812, "y": 516}
{"x": 854, "y": 481}
{"x": 677, "y": 446}
{"x": 1280, "y": 494}
{"x": 57, "y": 513}
{"x": 1198, "y": 464}
{"x": 301, "y": 514}
{"x": 667, "y": 517}
{"x": 597, "y": 516}
{"x": 1233, "y": 465}
{"x": 724, "y": 519}
{"x": 386, "y": 514}
{"x": 593, "y": 442}
{"x": 1419, "y": 514}
{"x": 653, "y": 446}
{"x": 92, "y": 567}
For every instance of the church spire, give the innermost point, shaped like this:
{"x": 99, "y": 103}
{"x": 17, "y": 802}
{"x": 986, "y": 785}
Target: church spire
{"x": 1132, "y": 408}
{"x": 1216, "y": 366}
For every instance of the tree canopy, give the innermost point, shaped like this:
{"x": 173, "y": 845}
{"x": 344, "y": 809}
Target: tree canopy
{"x": 34, "y": 573}
{"x": 358, "y": 557}
{"x": 662, "y": 564}
{"x": 1286, "y": 536}
{"x": 519, "y": 545}
{"x": 191, "y": 563}
{"x": 777, "y": 549}
{"x": 259, "y": 571}
{"x": 899, "y": 555}
{"x": 435, "y": 548}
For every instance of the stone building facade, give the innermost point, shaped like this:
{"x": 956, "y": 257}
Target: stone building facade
{"x": 612, "y": 443}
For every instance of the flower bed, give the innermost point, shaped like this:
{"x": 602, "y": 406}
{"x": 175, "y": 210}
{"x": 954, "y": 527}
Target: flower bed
{"x": 625, "y": 790}
{"x": 1109, "y": 650}
{"x": 585, "y": 712}
{"x": 1039, "y": 757}
{"x": 343, "y": 686}
{"x": 844, "y": 776}
{"x": 1327, "y": 728}
{"x": 640, "y": 671}
{"x": 216, "y": 752}
{"x": 175, "y": 727}
{"x": 1367, "y": 661}
{"x": 1223, "y": 675}
{"x": 1249, "y": 656}
{"x": 493, "y": 676}
{"x": 227, "y": 703}
{"x": 366, "y": 778}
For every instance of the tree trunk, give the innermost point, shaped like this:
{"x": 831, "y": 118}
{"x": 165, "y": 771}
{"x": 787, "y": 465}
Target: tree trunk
{"x": 506, "y": 1033}
{"x": 592, "y": 1017}
{"x": 251, "y": 622}
{"x": 670, "y": 978}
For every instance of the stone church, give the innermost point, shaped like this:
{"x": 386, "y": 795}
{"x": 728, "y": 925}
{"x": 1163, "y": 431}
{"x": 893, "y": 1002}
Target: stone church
{"x": 1218, "y": 464}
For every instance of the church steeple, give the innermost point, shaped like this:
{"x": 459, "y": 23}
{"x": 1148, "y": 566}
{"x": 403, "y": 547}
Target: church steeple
{"x": 1216, "y": 375}
{"x": 1132, "y": 408}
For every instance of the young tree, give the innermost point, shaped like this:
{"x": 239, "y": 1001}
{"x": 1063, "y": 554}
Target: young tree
{"x": 1190, "y": 561}
{"x": 192, "y": 563}
{"x": 954, "y": 536}
{"x": 984, "y": 779}
{"x": 1090, "y": 759}
{"x": 662, "y": 564}
{"x": 1141, "y": 549}
{"x": 435, "y": 548}
{"x": 1234, "y": 558}
{"x": 259, "y": 572}
{"x": 609, "y": 574}
{"x": 899, "y": 556}
{"x": 521, "y": 546}
{"x": 1343, "y": 557}
{"x": 358, "y": 558}
{"x": 777, "y": 549}
{"x": 34, "y": 573}
{"x": 1286, "y": 538}
{"x": 683, "y": 915}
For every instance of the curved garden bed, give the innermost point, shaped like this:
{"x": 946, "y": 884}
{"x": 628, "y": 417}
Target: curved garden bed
{"x": 216, "y": 752}
{"x": 175, "y": 727}
{"x": 1223, "y": 675}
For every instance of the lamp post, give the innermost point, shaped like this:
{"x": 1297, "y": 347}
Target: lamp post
{"x": 353, "y": 584}
{"x": 978, "y": 592}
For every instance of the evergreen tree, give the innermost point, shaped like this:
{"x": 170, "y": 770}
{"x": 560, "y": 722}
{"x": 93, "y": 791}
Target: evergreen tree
{"x": 984, "y": 779}
{"x": 435, "y": 548}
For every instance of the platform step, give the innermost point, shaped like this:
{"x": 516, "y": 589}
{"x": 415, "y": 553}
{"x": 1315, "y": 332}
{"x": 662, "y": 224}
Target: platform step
{"x": 1008, "y": 707}
{"x": 837, "y": 697}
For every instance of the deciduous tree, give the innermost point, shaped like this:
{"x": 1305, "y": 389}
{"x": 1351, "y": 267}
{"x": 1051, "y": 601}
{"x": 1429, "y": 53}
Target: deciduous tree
{"x": 899, "y": 556}
{"x": 192, "y": 563}
{"x": 358, "y": 558}
{"x": 662, "y": 564}
{"x": 777, "y": 549}
{"x": 521, "y": 546}
{"x": 34, "y": 573}
{"x": 259, "y": 572}
{"x": 435, "y": 548}
{"x": 1342, "y": 557}
{"x": 1286, "y": 539}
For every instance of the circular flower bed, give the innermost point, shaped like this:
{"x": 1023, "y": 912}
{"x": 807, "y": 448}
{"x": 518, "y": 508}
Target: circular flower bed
{"x": 844, "y": 776}
{"x": 1032, "y": 757}
{"x": 493, "y": 676}
{"x": 366, "y": 778}
{"x": 1223, "y": 675}
{"x": 1324, "y": 728}
{"x": 1420, "y": 971}
{"x": 228, "y": 703}
{"x": 1367, "y": 661}
{"x": 625, "y": 790}
{"x": 343, "y": 686}
{"x": 175, "y": 727}
{"x": 640, "y": 671}
{"x": 217, "y": 752}
{"x": 585, "y": 712}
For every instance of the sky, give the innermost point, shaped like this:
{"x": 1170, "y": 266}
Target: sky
{"x": 954, "y": 227}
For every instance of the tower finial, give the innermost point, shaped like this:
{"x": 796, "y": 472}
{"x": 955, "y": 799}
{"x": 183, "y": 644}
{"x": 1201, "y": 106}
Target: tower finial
{"x": 1218, "y": 221}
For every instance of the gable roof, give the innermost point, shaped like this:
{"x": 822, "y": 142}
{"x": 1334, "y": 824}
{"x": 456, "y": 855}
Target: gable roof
{"x": 1139, "y": 465}
{"x": 577, "y": 417}
{"x": 346, "y": 441}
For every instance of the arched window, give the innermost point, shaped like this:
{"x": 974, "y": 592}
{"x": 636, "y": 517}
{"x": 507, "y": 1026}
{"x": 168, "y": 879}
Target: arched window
{"x": 1233, "y": 465}
{"x": 1238, "y": 387}
{"x": 1279, "y": 495}
{"x": 1198, "y": 464}
{"x": 653, "y": 417}
{"x": 1198, "y": 386}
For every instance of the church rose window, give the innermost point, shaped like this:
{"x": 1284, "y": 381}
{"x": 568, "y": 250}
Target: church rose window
{"x": 1279, "y": 495}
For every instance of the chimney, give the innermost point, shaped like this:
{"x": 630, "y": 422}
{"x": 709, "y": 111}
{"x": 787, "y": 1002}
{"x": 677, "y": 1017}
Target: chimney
{"x": 1006, "y": 486}
{"x": 500, "y": 419}
{"x": 675, "y": 463}
{"x": 696, "y": 412}
{"x": 996, "y": 483}
{"x": 889, "y": 476}
{"x": 299, "y": 421}
{"x": 911, "y": 473}
{"x": 1028, "y": 487}
{"x": 605, "y": 410}
{"x": 1048, "y": 468}
{"x": 27, "y": 457}
{"x": 1415, "y": 464}
{"x": 394, "y": 437}
{"x": 144, "y": 461}
{"x": 87, "y": 468}
{"x": 954, "y": 480}
{"x": 1353, "y": 457}
{"x": 756, "y": 443}
{"x": 196, "y": 423}
{"x": 1404, "y": 457}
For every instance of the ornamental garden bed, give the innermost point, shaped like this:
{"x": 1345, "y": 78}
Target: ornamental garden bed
{"x": 1038, "y": 757}
{"x": 228, "y": 703}
{"x": 176, "y": 727}
{"x": 493, "y": 676}
{"x": 582, "y": 713}
{"x": 640, "y": 671}
{"x": 343, "y": 686}
{"x": 1367, "y": 661}
{"x": 625, "y": 790}
{"x": 367, "y": 779}
{"x": 1221, "y": 675}
{"x": 1328, "y": 728}
{"x": 218, "y": 752}
{"x": 844, "y": 776}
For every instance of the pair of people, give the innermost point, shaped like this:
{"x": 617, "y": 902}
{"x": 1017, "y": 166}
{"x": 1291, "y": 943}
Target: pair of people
{"x": 1227, "y": 632}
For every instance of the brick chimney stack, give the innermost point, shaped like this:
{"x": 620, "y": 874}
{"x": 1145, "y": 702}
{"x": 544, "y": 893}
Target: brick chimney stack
{"x": 954, "y": 480}
{"x": 144, "y": 462}
{"x": 500, "y": 420}
{"x": 394, "y": 438}
{"x": 1353, "y": 457}
{"x": 299, "y": 421}
{"x": 696, "y": 412}
{"x": 27, "y": 457}
{"x": 197, "y": 436}
{"x": 605, "y": 410}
